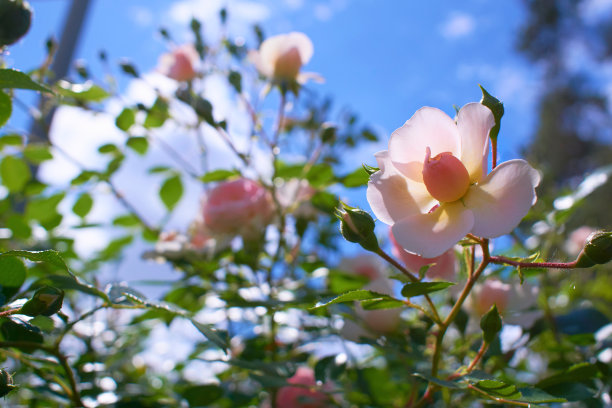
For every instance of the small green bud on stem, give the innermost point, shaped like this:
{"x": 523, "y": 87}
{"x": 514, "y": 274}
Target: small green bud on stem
{"x": 596, "y": 251}
{"x": 490, "y": 324}
{"x": 357, "y": 226}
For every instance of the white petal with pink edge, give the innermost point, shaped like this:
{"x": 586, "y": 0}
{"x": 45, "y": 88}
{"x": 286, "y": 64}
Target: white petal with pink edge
{"x": 474, "y": 122}
{"x": 428, "y": 127}
{"x": 501, "y": 200}
{"x": 392, "y": 196}
{"x": 432, "y": 234}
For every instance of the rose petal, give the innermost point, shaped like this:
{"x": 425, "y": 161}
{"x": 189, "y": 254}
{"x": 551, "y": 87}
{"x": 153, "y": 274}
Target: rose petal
{"x": 474, "y": 122}
{"x": 392, "y": 196}
{"x": 432, "y": 234}
{"x": 502, "y": 198}
{"x": 273, "y": 47}
{"x": 428, "y": 127}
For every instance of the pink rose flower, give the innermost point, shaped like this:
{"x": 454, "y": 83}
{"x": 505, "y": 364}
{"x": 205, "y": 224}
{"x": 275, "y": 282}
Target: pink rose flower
{"x": 444, "y": 268}
{"x": 365, "y": 265}
{"x": 433, "y": 187}
{"x": 180, "y": 63}
{"x": 281, "y": 57}
{"x": 513, "y": 301}
{"x": 301, "y": 397}
{"x": 238, "y": 207}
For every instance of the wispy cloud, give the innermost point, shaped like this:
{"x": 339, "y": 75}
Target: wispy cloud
{"x": 458, "y": 25}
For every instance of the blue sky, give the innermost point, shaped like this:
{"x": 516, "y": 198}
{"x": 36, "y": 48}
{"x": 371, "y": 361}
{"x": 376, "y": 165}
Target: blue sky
{"x": 383, "y": 59}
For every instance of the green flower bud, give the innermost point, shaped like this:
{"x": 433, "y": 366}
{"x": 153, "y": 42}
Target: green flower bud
{"x": 357, "y": 226}
{"x": 490, "y": 324}
{"x": 6, "y": 383}
{"x": 46, "y": 301}
{"x": 496, "y": 106}
{"x": 596, "y": 251}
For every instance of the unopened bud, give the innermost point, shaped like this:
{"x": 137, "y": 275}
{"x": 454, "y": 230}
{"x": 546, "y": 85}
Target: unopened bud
{"x": 497, "y": 107}
{"x": 46, "y": 301}
{"x": 490, "y": 324}
{"x": 357, "y": 226}
{"x": 596, "y": 251}
{"x": 445, "y": 176}
{"x": 6, "y": 383}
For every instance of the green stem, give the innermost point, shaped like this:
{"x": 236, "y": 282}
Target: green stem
{"x": 555, "y": 265}
{"x": 414, "y": 279}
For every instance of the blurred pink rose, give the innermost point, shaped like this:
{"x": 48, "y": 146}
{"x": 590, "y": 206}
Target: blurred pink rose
{"x": 365, "y": 265}
{"x": 281, "y": 57}
{"x": 445, "y": 267}
{"x": 577, "y": 239}
{"x": 180, "y": 63}
{"x": 238, "y": 207}
{"x": 301, "y": 397}
{"x": 433, "y": 187}
{"x": 515, "y": 302}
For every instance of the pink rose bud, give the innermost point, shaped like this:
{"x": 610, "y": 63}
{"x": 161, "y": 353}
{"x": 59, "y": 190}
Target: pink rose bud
{"x": 180, "y": 63}
{"x": 491, "y": 292}
{"x": 445, "y": 267}
{"x": 281, "y": 57}
{"x": 301, "y": 397}
{"x": 238, "y": 207}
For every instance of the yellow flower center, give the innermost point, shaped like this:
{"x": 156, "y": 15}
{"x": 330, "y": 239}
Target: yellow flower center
{"x": 445, "y": 177}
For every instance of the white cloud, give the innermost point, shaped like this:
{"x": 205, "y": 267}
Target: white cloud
{"x": 142, "y": 16}
{"x": 458, "y": 25}
{"x": 594, "y": 11}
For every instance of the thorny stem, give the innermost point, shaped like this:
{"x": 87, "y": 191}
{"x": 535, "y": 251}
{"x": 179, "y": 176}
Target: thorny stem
{"x": 481, "y": 352}
{"x": 413, "y": 279}
{"x": 556, "y": 265}
{"x": 10, "y": 312}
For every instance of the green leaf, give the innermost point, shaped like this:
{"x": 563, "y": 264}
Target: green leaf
{"x": 126, "y": 221}
{"x": 171, "y": 191}
{"x": 12, "y": 275}
{"x": 157, "y": 114}
{"x": 340, "y": 282}
{"x": 44, "y": 209}
{"x": 11, "y": 78}
{"x": 353, "y": 296}
{"x": 537, "y": 396}
{"x": 126, "y": 119}
{"x": 235, "y": 79}
{"x": 83, "y": 205}
{"x": 128, "y": 68}
{"x": 17, "y": 330}
{"x": 71, "y": 283}
{"x": 11, "y": 140}
{"x": 498, "y": 389}
{"x": 369, "y": 169}
{"x": 202, "y": 395}
{"x": 577, "y": 373}
{"x": 422, "y": 288}
{"x": 357, "y": 178}
{"x": 85, "y": 92}
{"x": 139, "y": 144}
{"x": 211, "y": 334}
{"x": 49, "y": 256}
{"x": 437, "y": 381}
{"x": 37, "y": 153}
{"x": 219, "y": 175}
{"x": 490, "y": 324}
{"x": 15, "y": 173}
{"x": 6, "y": 108}
{"x": 108, "y": 148}
{"x": 377, "y": 304}
{"x": 320, "y": 175}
